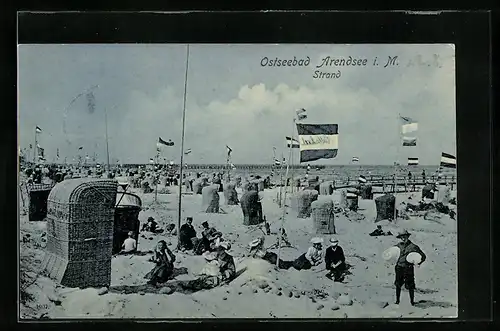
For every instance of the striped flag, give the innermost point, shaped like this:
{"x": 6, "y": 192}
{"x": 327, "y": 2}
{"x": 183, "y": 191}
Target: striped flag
{"x": 412, "y": 161}
{"x": 41, "y": 151}
{"x": 293, "y": 142}
{"x": 301, "y": 114}
{"x": 355, "y": 159}
{"x": 408, "y": 129}
{"x": 317, "y": 141}
{"x": 362, "y": 179}
{"x": 448, "y": 161}
{"x": 162, "y": 142}
{"x": 229, "y": 150}
{"x": 409, "y": 141}
{"x": 188, "y": 151}
{"x": 38, "y": 129}
{"x": 278, "y": 162}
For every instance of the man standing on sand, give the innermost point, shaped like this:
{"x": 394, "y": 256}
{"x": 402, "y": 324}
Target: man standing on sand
{"x": 405, "y": 273}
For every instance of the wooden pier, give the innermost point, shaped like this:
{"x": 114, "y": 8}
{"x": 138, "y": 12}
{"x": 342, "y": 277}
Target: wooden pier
{"x": 392, "y": 184}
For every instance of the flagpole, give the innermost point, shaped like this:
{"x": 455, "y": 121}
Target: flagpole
{"x": 284, "y": 196}
{"x": 395, "y": 168}
{"x": 107, "y": 144}
{"x": 182, "y": 147}
{"x": 155, "y": 174}
{"x": 35, "y": 149}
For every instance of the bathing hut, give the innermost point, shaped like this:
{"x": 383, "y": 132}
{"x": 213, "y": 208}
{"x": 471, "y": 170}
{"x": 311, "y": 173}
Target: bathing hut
{"x": 80, "y": 222}
{"x": 126, "y": 219}
{"x": 38, "y": 194}
{"x": 385, "y": 205}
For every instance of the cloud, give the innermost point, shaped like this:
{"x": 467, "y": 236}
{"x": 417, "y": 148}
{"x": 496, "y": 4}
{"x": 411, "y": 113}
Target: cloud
{"x": 233, "y": 101}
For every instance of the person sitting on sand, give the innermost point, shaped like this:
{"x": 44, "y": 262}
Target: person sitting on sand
{"x": 170, "y": 229}
{"x": 225, "y": 270}
{"x": 150, "y": 225}
{"x": 129, "y": 244}
{"x": 335, "y": 261}
{"x": 379, "y": 232}
{"x": 405, "y": 273}
{"x": 164, "y": 267}
{"x": 257, "y": 250}
{"x": 313, "y": 256}
{"x": 209, "y": 234}
{"x": 187, "y": 233}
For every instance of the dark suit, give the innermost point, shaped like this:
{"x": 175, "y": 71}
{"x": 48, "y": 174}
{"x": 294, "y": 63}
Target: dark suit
{"x": 333, "y": 257}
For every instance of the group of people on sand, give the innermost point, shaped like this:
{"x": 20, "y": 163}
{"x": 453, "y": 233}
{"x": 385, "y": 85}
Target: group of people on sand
{"x": 333, "y": 257}
{"x": 335, "y": 262}
{"x": 214, "y": 249}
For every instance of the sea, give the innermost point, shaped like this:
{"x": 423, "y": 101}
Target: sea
{"x": 336, "y": 172}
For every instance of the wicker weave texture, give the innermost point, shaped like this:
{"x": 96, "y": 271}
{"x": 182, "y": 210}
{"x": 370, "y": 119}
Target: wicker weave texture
{"x": 80, "y": 225}
{"x": 302, "y": 202}
{"x": 323, "y": 215}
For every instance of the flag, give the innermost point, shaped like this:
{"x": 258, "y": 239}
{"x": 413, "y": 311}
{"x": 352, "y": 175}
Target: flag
{"x": 294, "y": 142}
{"x": 362, "y": 179}
{"x": 38, "y": 129}
{"x": 317, "y": 141}
{"x": 409, "y": 141}
{"x": 448, "y": 161}
{"x": 301, "y": 114}
{"x": 151, "y": 160}
{"x": 408, "y": 126}
{"x": 41, "y": 152}
{"x": 355, "y": 159}
{"x": 80, "y": 148}
{"x": 188, "y": 151}
{"x": 229, "y": 150}
{"x": 164, "y": 143}
{"x": 412, "y": 161}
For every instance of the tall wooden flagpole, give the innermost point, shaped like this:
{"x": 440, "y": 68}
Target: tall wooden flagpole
{"x": 284, "y": 195}
{"x": 182, "y": 148}
{"x": 107, "y": 144}
{"x": 395, "y": 168}
{"x": 35, "y": 149}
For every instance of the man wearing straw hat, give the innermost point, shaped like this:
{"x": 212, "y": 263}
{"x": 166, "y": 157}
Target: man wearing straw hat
{"x": 405, "y": 273}
{"x": 335, "y": 261}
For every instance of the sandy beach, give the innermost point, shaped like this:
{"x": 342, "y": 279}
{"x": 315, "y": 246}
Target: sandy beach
{"x": 290, "y": 293}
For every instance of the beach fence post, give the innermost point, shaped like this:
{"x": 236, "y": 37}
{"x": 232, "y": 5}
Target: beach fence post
{"x": 182, "y": 150}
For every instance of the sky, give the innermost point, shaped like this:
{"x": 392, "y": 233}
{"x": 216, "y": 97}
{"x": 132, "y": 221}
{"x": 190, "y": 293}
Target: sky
{"x": 231, "y": 99}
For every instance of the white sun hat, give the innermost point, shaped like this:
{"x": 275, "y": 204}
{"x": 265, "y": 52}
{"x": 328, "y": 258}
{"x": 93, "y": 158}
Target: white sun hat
{"x": 225, "y": 245}
{"x": 317, "y": 240}
{"x": 334, "y": 241}
{"x": 391, "y": 253}
{"x": 414, "y": 258}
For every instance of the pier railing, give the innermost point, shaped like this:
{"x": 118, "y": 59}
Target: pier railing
{"x": 396, "y": 183}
